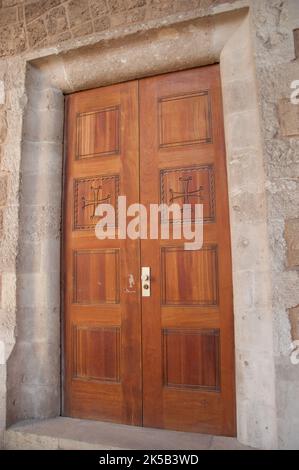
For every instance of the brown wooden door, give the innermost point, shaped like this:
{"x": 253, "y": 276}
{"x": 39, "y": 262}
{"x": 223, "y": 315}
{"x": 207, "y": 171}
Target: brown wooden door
{"x": 102, "y": 291}
{"x": 166, "y": 360}
{"x": 187, "y": 322}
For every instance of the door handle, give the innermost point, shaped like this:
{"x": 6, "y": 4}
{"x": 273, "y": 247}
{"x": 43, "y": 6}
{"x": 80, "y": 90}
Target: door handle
{"x": 146, "y": 281}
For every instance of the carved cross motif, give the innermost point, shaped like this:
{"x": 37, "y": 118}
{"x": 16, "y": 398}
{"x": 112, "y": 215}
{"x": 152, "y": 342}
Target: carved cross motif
{"x": 185, "y": 194}
{"x": 95, "y": 201}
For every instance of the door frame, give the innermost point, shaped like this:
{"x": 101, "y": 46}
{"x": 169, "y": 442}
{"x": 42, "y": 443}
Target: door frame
{"x": 224, "y": 38}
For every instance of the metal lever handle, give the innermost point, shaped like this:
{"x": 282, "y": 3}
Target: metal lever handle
{"x": 146, "y": 281}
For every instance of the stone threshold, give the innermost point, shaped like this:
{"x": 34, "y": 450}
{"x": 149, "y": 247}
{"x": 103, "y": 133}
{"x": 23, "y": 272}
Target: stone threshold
{"x": 78, "y": 434}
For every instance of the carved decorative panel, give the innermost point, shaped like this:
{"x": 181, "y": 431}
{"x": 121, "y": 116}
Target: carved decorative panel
{"x": 190, "y": 185}
{"x": 98, "y": 133}
{"x": 96, "y": 353}
{"x": 88, "y": 194}
{"x": 191, "y": 358}
{"x": 189, "y": 277}
{"x": 96, "y": 276}
{"x": 185, "y": 119}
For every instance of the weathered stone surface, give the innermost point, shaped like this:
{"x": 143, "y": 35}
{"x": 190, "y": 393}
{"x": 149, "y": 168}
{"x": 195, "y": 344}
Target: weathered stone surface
{"x": 3, "y": 127}
{"x": 102, "y": 24}
{"x": 292, "y": 241}
{"x": 11, "y": 3}
{"x": 184, "y": 5}
{"x": 294, "y": 321}
{"x": 135, "y": 15}
{"x": 12, "y": 39}
{"x": 59, "y": 38}
{"x": 296, "y": 42}
{"x": 68, "y": 433}
{"x": 29, "y": 258}
{"x": 1, "y": 223}
{"x": 117, "y": 5}
{"x": 83, "y": 30}
{"x": 158, "y": 8}
{"x": 2, "y": 92}
{"x": 8, "y": 15}
{"x": 135, "y": 3}
{"x": 289, "y": 118}
{"x": 98, "y": 7}
{"x": 34, "y": 9}
{"x": 56, "y": 21}
{"x": 36, "y": 32}
{"x": 78, "y": 12}
{"x": 21, "y": 13}
{"x": 3, "y": 190}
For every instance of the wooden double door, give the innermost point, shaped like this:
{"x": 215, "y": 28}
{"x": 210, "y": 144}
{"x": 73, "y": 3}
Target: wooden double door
{"x": 165, "y": 360}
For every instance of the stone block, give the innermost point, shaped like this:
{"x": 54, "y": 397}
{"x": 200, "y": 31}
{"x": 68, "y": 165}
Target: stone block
{"x": 1, "y": 223}
{"x": 242, "y": 131}
{"x": 21, "y": 13}
{"x": 39, "y": 290}
{"x": 139, "y": 3}
{"x": 29, "y": 257}
{"x": 243, "y": 296}
{"x": 84, "y": 29}
{"x": 42, "y": 157}
{"x": 59, "y": 38}
{"x": 36, "y": 363}
{"x": 250, "y": 246}
{"x": 36, "y": 32}
{"x": 78, "y": 12}
{"x": 135, "y": 15}
{"x": 158, "y": 8}
{"x": 102, "y": 24}
{"x": 257, "y": 423}
{"x": 292, "y": 241}
{"x": 2, "y": 92}
{"x": 39, "y": 222}
{"x": 45, "y": 99}
{"x": 56, "y": 21}
{"x": 40, "y": 189}
{"x": 8, "y": 15}
{"x": 3, "y": 127}
{"x": 294, "y": 321}
{"x": 32, "y": 401}
{"x": 98, "y": 8}
{"x": 246, "y": 326}
{"x": 239, "y": 95}
{"x": 25, "y": 441}
{"x": 11, "y": 3}
{"x": 288, "y": 403}
{"x": 12, "y": 39}
{"x": 42, "y": 323}
{"x": 50, "y": 256}
{"x": 34, "y": 9}
{"x": 117, "y": 6}
{"x": 247, "y": 207}
{"x": 47, "y": 127}
{"x": 288, "y": 118}
{"x": 296, "y": 42}
{"x": 242, "y": 164}
{"x": 3, "y": 190}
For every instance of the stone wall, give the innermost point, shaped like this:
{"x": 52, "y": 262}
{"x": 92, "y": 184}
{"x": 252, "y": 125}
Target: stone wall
{"x": 34, "y": 24}
{"x": 27, "y": 27}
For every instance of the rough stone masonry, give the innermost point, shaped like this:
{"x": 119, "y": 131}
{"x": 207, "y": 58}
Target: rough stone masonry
{"x": 32, "y": 29}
